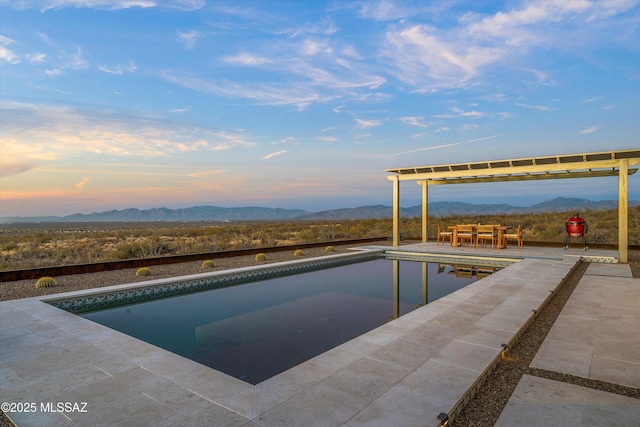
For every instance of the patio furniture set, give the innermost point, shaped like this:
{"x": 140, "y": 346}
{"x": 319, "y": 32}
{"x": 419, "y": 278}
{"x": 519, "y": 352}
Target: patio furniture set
{"x": 475, "y": 234}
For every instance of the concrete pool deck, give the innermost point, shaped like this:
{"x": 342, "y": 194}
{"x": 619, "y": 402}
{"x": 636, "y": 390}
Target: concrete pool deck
{"x": 404, "y": 373}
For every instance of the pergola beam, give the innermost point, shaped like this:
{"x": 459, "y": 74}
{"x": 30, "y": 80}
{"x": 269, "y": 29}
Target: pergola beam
{"x": 529, "y": 177}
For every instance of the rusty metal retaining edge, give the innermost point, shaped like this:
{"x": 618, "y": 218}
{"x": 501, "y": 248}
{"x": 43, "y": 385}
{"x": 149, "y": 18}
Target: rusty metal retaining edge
{"x": 35, "y": 273}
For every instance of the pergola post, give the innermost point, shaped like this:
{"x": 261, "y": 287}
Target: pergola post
{"x": 623, "y": 211}
{"x": 396, "y": 211}
{"x": 425, "y": 210}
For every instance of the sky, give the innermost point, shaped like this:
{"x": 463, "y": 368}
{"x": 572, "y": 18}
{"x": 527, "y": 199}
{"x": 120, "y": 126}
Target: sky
{"x": 114, "y": 104}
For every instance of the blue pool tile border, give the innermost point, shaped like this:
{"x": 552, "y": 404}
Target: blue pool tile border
{"x": 93, "y": 302}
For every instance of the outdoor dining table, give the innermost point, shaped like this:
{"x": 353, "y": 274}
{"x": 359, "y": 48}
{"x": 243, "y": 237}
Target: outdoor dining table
{"x": 499, "y": 228}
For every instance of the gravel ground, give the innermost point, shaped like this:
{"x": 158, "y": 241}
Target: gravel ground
{"x": 483, "y": 409}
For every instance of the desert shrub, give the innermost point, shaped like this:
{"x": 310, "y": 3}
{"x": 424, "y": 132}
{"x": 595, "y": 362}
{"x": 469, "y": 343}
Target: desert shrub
{"x": 261, "y": 257}
{"x": 75, "y": 244}
{"x": 125, "y": 250}
{"x": 143, "y": 271}
{"x": 208, "y": 264}
{"x": 153, "y": 246}
{"x": 45, "y": 282}
{"x": 264, "y": 236}
{"x": 298, "y": 252}
{"x": 307, "y": 235}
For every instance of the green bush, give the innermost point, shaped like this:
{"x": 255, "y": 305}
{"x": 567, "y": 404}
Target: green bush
{"x": 143, "y": 271}
{"x": 329, "y": 249}
{"x": 208, "y": 264}
{"x": 261, "y": 257}
{"x": 298, "y": 252}
{"x": 45, "y": 282}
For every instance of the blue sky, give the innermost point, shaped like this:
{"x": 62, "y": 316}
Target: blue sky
{"x": 110, "y": 104}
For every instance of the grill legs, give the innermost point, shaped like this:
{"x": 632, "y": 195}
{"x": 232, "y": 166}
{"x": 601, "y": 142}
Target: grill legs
{"x": 584, "y": 240}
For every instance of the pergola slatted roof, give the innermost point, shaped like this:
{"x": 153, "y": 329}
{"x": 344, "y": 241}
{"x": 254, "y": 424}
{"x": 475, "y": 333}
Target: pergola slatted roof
{"x": 548, "y": 167}
{"x": 585, "y": 165}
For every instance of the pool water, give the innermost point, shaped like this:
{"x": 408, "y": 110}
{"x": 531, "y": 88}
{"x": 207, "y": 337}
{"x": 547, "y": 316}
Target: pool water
{"x": 257, "y": 330}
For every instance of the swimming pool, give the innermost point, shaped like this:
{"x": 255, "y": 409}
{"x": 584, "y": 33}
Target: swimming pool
{"x": 255, "y": 330}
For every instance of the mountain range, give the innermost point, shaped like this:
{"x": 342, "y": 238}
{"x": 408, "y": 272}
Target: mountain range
{"x": 216, "y": 213}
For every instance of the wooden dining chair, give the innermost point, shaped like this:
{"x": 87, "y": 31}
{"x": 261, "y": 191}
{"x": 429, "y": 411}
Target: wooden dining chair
{"x": 465, "y": 233}
{"x": 442, "y": 234}
{"x": 484, "y": 233}
{"x": 517, "y": 236}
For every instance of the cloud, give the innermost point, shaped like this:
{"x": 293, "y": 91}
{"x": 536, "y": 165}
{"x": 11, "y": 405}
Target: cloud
{"x": 13, "y": 168}
{"x": 76, "y": 60}
{"x": 429, "y": 60}
{"x": 367, "y": 123}
{"x": 456, "y": 56}
{"x": 314, "y": 47}
{"x": 185, "y": 5}
{"x": 351, "y": 52}
{"x": 414, "y": 121}
{"x": 274, "y": 154}
{"x": 223, "y": 140}
{"x": 6, "y": 54}
{"x": 36, "y": 58}
{"x": 328, "y": 138}
{"x": 590, "y": 129}
{"x": 541, "y": 76}
{"x": 205, "y": 173}
{"x": 534, "y": 107}
{"x": 84, "y": 181}
{"x": 46, "y": 5}
{"x": 384, "y": 11}
{"x": 245, "y": 58}
{"x": 189, "y": 38}
{"x": 340, "y": 76}
{"x": 130, "y": 68}
{"x": 458, "y": 112}
{"x": 294, "y": 72}
{"x": 73, "y": 61}
{"x": 542, "y": 22}
{"x": 265, "y": 94}
{"x": 39, "y": 134}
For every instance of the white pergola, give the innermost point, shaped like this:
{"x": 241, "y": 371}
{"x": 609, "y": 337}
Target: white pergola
{"x": 585, "y": 165}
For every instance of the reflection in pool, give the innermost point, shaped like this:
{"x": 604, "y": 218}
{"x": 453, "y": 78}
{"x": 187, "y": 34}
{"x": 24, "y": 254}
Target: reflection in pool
{"x": 256, "y": 330}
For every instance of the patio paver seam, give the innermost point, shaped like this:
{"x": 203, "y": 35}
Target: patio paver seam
{"x": 585, "y": 382}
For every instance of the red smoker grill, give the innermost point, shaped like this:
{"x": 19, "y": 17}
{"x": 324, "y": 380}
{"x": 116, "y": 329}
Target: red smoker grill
{"x": 576, "y": 227}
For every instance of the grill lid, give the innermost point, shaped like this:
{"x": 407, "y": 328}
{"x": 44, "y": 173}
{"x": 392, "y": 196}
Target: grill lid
{"x": 576, "y": 219}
